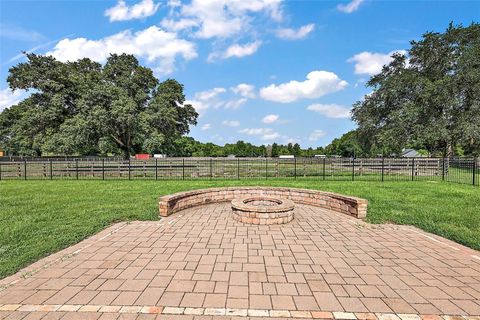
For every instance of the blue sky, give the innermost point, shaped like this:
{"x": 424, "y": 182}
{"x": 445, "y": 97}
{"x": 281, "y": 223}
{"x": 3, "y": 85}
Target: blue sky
{"x": 256, "y": 70}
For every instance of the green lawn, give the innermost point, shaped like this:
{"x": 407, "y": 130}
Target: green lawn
{"x": 41, "y": 217}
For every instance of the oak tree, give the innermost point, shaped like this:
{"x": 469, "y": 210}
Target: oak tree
{"x": 83, "y": 107}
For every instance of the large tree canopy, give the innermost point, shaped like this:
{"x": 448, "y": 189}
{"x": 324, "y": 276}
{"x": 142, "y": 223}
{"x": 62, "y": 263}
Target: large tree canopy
{"x": 428, "y": 99}
{"x": 85, "y": 108}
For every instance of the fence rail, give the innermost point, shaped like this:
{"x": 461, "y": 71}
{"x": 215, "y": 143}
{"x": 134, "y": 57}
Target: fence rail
{"x": 459, "y": 170}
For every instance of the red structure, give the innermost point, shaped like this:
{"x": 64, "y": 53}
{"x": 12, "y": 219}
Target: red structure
{"x": 142, "y": 156}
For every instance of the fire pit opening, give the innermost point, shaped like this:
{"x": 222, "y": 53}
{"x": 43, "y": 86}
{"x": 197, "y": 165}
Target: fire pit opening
{"x": 262, "y": 210}
{"x": 264, "y": 202}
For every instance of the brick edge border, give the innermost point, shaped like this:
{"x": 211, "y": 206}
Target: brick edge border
{"x": 261, "y": 313}
{"x": 352, "y": 206}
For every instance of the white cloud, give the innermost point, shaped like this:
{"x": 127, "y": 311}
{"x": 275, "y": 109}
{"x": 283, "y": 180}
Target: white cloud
{"x": 317, "y": 84}
{"x": 174, "y": 3}
{"x": 231, "y": 123}
{"x": 236, "y": 50}
{"x": 223, "y": 19}
{"x": 9, "y": 98}
{"x": 153, "y": 44}
{"x": 255, "y": 131}
{"x": 177, "y": 25}
{"x": 239, "y": 51}
{"x": 270, "y": 7}
{"x": 330, "y": 110}
{"x": 292, "y": 34}
{"x": 200, "y": 106}
{"x": 122, "y": 12}
{"x": 316, "y": 134}
{"x": 209, "y": 95}
{"x": 220, "y": 18}
{"x": 350, "y": 7}
{"x": 203, "y": 100}
{"x": 235, "y": 103}
{"x": 212, "y": 19}
{"x": 271, "y": 118}
{"x": 245, "y": 90}
{"x": 371, "y": 63}
{"x": 264, "y": 133}
{"x": 206, "y": 126}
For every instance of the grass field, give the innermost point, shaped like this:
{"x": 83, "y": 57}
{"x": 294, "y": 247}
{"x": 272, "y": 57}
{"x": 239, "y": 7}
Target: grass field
{"x": 40, "y": 217}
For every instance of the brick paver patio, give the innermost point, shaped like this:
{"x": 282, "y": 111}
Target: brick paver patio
{"x": 201, "y": 264}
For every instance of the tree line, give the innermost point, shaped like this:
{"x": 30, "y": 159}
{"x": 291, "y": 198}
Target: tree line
{"x": 189, "y": 147}
{"x": 348, "y": 145}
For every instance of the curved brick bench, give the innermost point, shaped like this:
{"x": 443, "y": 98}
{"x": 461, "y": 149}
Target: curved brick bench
{"x": 351, "y": 206}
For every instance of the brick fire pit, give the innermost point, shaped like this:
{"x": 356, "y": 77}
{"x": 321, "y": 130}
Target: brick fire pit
{"x": 262, "y": 210}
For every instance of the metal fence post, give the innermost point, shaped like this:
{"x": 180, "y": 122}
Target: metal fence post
{"x": 51, "y": 170}
{"x": 324, "y": 163}
{"x": 353, "y": 169}
{"x": 211, "y": 169}
{"x": 76, "y": 168}
{"x": 295, "y": 168}
{"x": 266, "y": 168}
{"x": 103, "y": 169}
{"x": 413, "y": 168}
{"x": 25, "y": 169}
{"x": 304, "y": 168}
{"x": 474, "y": 169}
{"x": 0, "y": 171}
{"x": 129, "y": 169}
{"x": 183, "y": 169}
{"x": 383, "y": 168}
{"x": 238, "y": 169}
{"x": 156, "y": 173}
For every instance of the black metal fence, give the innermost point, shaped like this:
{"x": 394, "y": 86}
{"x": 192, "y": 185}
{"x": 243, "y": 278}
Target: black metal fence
{"x": 459, "y": 170}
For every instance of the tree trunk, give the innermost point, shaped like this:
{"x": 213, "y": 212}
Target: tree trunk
{"x": 126, "y": 153}
{"x": 125, "y": 147}
{"x": 449, "y": 151}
